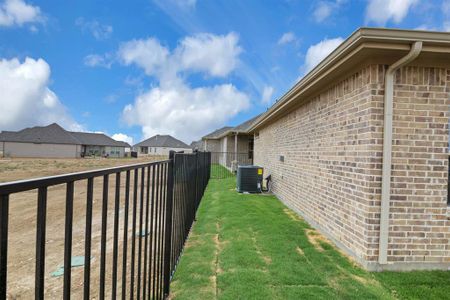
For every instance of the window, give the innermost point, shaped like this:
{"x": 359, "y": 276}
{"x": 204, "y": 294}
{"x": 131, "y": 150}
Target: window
{"x": 144, "y": 150}
{"x": 114, "y": 151}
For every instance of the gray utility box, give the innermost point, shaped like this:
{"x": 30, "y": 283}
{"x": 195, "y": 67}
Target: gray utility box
{"x": 249, "y": 179}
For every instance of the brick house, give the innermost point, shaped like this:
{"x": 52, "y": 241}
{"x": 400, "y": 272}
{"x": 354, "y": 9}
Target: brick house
{"x": 359, "y": 148}
{"x": 230, "y": 145}
{"x": 160, "y": 145}
{"x": 212, "y": 141}
{"x": 53, "y": 141}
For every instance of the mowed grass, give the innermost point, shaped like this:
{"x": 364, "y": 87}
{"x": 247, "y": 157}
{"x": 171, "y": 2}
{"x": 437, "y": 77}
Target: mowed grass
{"x": 253, "y": 247}
{"x": 219, "y": 172}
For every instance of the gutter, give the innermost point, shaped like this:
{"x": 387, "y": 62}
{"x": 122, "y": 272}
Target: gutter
{"x": 398, "y": 39}
{"x": 415, "y": 50}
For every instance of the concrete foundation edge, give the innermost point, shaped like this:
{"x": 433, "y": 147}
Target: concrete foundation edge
{"x": 368, "y": 265}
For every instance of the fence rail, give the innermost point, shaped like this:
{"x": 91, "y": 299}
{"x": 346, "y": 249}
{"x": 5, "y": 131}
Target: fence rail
{"x": 155, "y": 209}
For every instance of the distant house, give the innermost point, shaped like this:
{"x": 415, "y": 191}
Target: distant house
{"x": 231, "y": 144}
{"x": 100, "y": 144}
{"x": 56, "y": 142}
{"x": 160, "y": 145}
{"x": 197, "y": 145}
{"x": 211, "y": 142}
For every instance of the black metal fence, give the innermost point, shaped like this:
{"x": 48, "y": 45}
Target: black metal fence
{"x": 224, "y": 164}
{"x": 191, "y": 175}
{"x": 154, "y": 210}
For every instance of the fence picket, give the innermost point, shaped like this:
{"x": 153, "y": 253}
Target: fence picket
{"x": 164, "y": 203}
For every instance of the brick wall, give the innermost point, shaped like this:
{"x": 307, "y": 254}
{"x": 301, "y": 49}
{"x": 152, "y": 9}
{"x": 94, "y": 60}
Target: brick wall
{"x": 212, "y": 145}
{"x": 331, "y": 174}
{"x": 419, "y": 228}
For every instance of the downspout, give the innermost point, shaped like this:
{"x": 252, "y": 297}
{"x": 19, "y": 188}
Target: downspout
{"x": 416, "y": 48}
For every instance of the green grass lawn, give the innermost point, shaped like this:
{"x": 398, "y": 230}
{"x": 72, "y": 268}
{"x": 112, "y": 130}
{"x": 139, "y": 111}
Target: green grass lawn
{"x": 219, "y": 172}
{"x": 253, "y": 247}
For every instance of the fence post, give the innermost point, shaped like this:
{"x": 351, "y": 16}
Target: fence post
{"x": 4, "y": 213}
{"x": 168, "y": 225}
{"x": 196, "y": 185}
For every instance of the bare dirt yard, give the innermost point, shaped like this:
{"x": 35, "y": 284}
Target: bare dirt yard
{"x": 12, "y": 169}
{"x": 22, "y": 225}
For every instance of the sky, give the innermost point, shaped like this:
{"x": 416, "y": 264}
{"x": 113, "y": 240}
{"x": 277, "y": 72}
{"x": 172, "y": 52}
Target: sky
{"x": 138, "y": 68}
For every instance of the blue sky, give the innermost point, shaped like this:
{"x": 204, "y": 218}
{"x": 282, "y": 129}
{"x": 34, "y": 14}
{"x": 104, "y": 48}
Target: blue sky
{"x": 137, "y": 68}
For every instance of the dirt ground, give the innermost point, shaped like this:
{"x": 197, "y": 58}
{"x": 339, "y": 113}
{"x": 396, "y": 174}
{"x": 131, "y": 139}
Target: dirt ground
{"x": 25, "y": 168}
{"x": 22, "y": 226}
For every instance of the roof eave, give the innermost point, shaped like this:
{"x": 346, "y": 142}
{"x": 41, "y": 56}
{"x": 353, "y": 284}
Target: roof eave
{"x": 361, "y": 38}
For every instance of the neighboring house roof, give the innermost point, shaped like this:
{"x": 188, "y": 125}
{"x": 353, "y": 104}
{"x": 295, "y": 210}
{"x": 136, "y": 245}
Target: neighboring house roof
{"x": 165, "y": 141}
{"x": 97, "y": 139}
{"x": 381, "y": 45}
{"x": 224, "y": 131}
{"x": 215, "y": 134}
{"x": 245, "y": 126}
{"x": 55, "y": 134}
{"x": 241, "y": 128}
{"x": 196, "y": 145}
{"x": 51, "y": 134}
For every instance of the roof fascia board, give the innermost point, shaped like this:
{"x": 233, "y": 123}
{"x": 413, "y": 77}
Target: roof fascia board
{"x": 363, "y": 38}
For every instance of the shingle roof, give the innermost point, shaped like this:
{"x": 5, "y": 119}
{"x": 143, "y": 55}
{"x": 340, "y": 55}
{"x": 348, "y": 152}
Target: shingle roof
{"x": 215, "y": 134}
{"x": 55, "y": 134}
{"x": 98, "y": 139}
{"x": 245, "y": 126}
{"x": 162, "y": 141}
{"x": 197, "y": 145}
{"x": 242, "y": 128}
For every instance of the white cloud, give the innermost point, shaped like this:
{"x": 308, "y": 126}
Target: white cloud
{"x": 123, "y": 138}
{"x": 96, "y": 60}
{"x": 446, "y": 26}
{"x": 133, "y": 81}
{"x": 185, "y": 4}
{"x": 185, "y": 112}
{"x": 382, "y": 11}
{"x": 111, "y": 98}
{"x": 148, "y": 54}
{"x": 17, "y": 12}
{"x": 98, "y": 31}
{"x": 322, "y": 11}
{"x": 446, "y": 7}
{"x": 216, "y": 55}
{"x": 267, "y": 94}
{"x": 26, "y": 98}
{"x": 173, "y": 107}
{"x": 432, "y": 25}
{"x": 316, "y": 53}
{"x": 446, "y": 12}
{"x": 286, "y": 38}
{"x": 425, "y": 27}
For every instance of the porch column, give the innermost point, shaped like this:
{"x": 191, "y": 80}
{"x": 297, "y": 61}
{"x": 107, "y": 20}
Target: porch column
{"x": 235, "y": 147}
